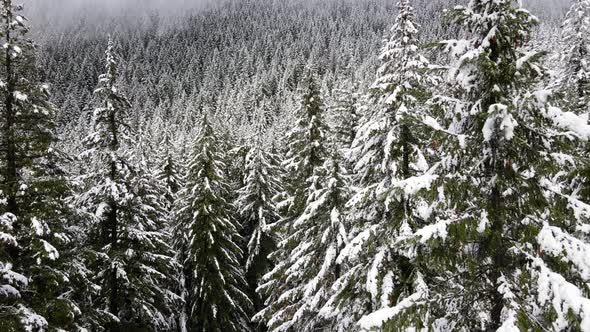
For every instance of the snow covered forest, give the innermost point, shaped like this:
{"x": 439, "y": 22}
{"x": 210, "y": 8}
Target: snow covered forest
{"x": 295, "y": 165}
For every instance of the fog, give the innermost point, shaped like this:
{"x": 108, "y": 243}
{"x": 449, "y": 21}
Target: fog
{"x": 50, "y": 15}
{"x": 63, "y": 12}
{"x": 72, "y": 9}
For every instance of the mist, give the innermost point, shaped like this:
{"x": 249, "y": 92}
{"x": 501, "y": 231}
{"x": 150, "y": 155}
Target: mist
{"x": 57, "y": 11}
{"x": 51, "y": 15}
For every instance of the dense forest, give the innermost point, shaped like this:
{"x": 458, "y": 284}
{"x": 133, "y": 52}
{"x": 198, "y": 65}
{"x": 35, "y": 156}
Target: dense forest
{"x": 301, "y": 165}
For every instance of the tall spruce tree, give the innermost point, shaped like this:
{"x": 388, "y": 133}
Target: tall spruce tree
{"x": 214, "y": 279}
{"x": 306, "y": 150}
{"x": 255, "y": 205}
{"x": 575, "y": 57}
{"x": 503, "y": 229}
{"x": 392, "y": 170}
{"x": 343, "y": 113}
{"x": 317, "y": 236}
{"x": 34, "y": 215}
{"x": 128, "y": 249}
{"x": 169, "y": 173}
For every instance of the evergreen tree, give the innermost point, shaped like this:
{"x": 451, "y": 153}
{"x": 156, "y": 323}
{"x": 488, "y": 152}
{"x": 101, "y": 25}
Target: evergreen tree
{"x": 343, "y": 113}
{"x": 255, "y": 205}
{"x": 318, "y": 236}
{"x": 392, "y": 170}
{"x": 576, "y": 57}
{"x": 169, "y": 173}
{"x": 207, "y": 238}
{"x": 306, "y": 151}
{"x": 35, "y": 219}
{"x": 128, "y": 251}
{"x": 502, "y": 225}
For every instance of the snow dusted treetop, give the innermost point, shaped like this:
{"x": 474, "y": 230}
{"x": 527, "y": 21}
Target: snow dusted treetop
{"x": 396, "y": 99}
{"x": 258, "y": 211}
{"x": 304, "y": 279}
{"x": 169, "y": 173}
{"x": 33, "y": 213}
{"x": 127, "y": 246}
{"x": 576, "y": 55}
{"x": 392, "y": 170}
{"x": 306, "y": 147}
{"x": 208, "y": 232}
{"x": 255, "y": 201}
{"x": 402, "y": 65}
{"x": 501, "y": 201}
{"x": 344, "y": 117}
{"x": 306, "y": 151}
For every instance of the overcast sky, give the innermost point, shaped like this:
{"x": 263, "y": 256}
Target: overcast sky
{"x": 45, "y": 11}
{"x": 71, "y": 9}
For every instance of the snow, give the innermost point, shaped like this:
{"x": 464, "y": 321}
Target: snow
{"x": 488, "y": 128}
{"x": 577, "y": 124}
{"x": 8, "y": 291}
{"x": 376, "y": 319}
{"x": 525, "y": 59}
{"x": 556, "y": 242}
{"x": 372, "y": 276}
{"x": 556, "y": 291}
{"x": 438, "y": 230}
{"x": 20, "y": 96}
{"x": 50, "y": 250}
{"x": 38, "y": 226}
{"x": 483, "y": 222}
{"x": 8, "y": 239}
{"x": 355, "y": 246}
{"x": 411, "y": 186}
{"x": 30, "y": 320}
{"x": 510, "y": 322}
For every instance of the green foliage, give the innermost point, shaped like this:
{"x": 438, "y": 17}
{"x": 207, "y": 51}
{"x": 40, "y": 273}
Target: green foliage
{"x": 207, "y": 236}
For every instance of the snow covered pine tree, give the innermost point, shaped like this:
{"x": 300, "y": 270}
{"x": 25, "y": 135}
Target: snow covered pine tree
{"x": 33, "y": 213}
{"x": 169, "y": 173}
{"x": 575, "y": 76}
{"x": 503, "y": 249}
{"x": 255, "y": 205}
{"x": 216, "y": 298}
{"x": 306, "y": 151}
{"x": 128, "y": 250}
{"x": 391, "y": 170}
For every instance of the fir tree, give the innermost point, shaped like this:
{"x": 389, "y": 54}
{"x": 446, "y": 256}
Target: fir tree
{"x": 169, "y": 173}
{"x": 500, "y": 225}
{"x": 128, "y": 251}
{"x": 34, "y": 215}
{"x": 255, "y": 205}
{"x": 317, "y": 237}
{"x": 306, "y": 151}
{"x": 207, "y": 236}
{"x": 576, "y": 57}
{"x": 392, "y": 169}
{"x": 343, "y": 113}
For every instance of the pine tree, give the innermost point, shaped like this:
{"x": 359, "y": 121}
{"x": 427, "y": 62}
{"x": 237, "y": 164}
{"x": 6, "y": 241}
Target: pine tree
{"x": 317, "y": 237}
{"x": 306, "y": 151}
{"x": 255, "y": 205}
{"x": 343, "y": 113}
{"x": 576, "y": 57}
{"x": 390, "y": 158}
{"x": 169, "y": 173}
{"x": 35, "y": 219}
{"x": 503, "y": 224}
{"x": 207, "y": 238}
{"x": 128, "y": 248}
